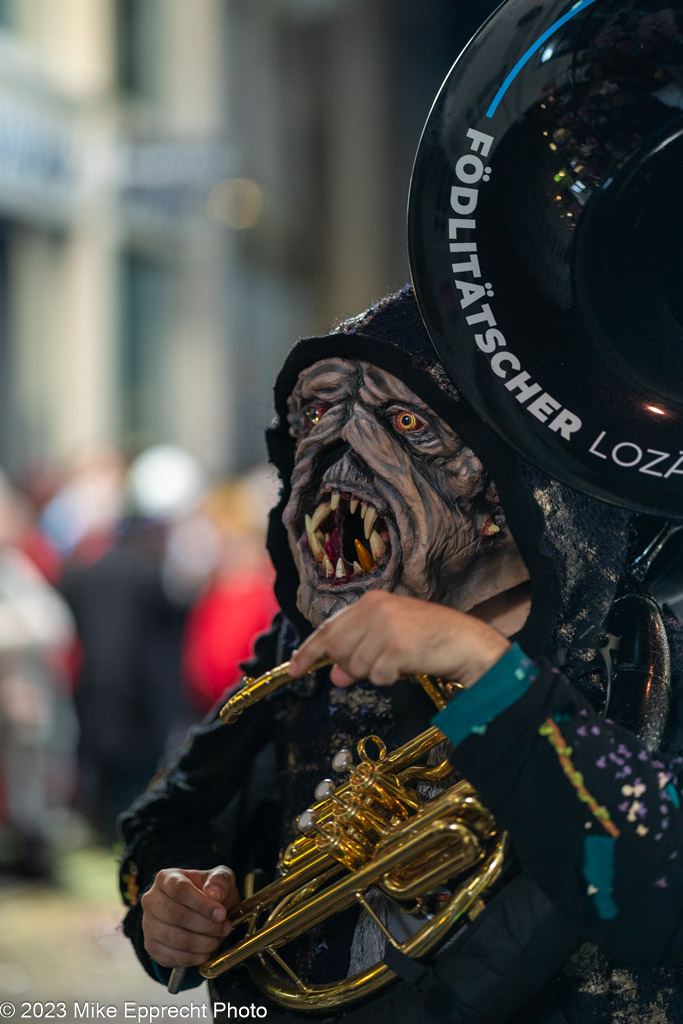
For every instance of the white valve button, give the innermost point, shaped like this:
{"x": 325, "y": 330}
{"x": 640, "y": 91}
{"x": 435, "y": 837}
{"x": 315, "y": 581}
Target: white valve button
{"x": 306, "y": 821}
{"x": 324, "y": 789}
{"x": 342, "y": 760}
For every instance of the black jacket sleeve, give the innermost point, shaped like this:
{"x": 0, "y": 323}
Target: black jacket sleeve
{"x": 174, "y": 823}
{"x": 594, "y": 818}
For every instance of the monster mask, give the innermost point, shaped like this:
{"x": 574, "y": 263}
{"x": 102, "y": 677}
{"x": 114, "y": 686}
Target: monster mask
{"x": 384, "y": 494}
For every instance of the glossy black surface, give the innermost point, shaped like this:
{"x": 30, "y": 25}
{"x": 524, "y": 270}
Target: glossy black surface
{"x": 640, "y": 693}
{"x": 568, "y": 235}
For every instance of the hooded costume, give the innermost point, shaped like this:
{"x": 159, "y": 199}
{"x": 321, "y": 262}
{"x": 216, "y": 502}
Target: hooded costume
{"x": 545, "y": 750}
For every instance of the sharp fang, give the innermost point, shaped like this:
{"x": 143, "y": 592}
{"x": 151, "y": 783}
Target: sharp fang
{"x": 363, "y": 509}
{"x": 364, "y": 557}
{"x": 377, "y": 545}
{"x": 328, "y": 567}
{"x": 334, "y": 500}
{"x": 313, "y": 542}
{"x": 369, "y": 521}
{"x": 358, "y": 569}
{"x": 353, "y": 505}
{"x": 321, "y": 513}
{"x": 340, "y": 571}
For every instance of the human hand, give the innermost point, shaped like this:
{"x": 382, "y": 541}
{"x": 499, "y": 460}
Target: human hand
{"x": 185, "y": 914}
{"x": 383, "y": 637}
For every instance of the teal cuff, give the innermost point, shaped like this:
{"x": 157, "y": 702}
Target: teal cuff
{"x": 500, "y": 687}
{"x": 598, "y": 870}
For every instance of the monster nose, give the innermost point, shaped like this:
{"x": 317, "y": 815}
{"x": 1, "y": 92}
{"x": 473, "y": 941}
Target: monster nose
{"x": 332, "y": 455}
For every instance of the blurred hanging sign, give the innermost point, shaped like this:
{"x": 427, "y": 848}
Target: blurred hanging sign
{"x": 38, "y": 165}
{"x": 170, "y": 179}
{"x": 52, "y": 162}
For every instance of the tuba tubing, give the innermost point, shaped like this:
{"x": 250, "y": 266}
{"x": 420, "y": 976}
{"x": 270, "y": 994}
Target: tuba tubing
{"x": 373, "y": 832}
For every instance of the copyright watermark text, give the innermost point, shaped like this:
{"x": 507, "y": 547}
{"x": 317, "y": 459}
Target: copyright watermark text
{"x": 141, "y": 1013}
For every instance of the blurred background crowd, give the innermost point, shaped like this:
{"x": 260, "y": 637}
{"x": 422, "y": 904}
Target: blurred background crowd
{"x": 185, "y": 188}
{"x": 129, "y": 595}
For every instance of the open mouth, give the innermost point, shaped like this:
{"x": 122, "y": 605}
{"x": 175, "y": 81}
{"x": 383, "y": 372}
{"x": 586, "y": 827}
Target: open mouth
{"x": 347, "y": 538}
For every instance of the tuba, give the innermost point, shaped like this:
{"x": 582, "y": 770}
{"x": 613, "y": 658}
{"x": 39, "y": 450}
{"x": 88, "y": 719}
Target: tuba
{"x": 544, "y": 234}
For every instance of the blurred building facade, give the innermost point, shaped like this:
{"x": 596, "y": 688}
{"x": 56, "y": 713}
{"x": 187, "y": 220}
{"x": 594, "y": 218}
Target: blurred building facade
{"x": 112, "y": 327}
{"x": 184, "y": 189}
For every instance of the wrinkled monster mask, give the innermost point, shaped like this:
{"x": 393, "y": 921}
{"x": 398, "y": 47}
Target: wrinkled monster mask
{"x": 386, "y": 495}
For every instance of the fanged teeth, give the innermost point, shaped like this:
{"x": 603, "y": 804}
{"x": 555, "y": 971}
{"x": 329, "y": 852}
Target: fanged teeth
{"x": 319, "y": 542}
{"x": 364, "y": 557}
{"x": 320, "y": 515}
{"x": 369, "y": 520}
{"x": 313, "y": 542}
{"x": 377, "y": 545}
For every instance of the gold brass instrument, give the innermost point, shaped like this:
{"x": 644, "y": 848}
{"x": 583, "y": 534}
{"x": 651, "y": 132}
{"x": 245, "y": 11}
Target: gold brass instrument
{"x": 372, "y": 831}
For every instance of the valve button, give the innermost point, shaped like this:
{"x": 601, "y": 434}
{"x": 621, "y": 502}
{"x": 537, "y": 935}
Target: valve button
{"x": 342, "y": 760}
{"x": 306, "y": 821}
{"x": 324, "y": 789}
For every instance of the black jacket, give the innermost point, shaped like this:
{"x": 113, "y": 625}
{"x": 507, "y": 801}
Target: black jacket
{"x": 577, "y": 551}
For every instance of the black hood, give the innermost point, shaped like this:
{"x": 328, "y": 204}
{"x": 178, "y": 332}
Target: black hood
{"x": 574, "y": 546}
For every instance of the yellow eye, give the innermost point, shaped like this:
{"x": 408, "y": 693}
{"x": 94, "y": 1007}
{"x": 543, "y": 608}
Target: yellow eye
{"x": 315, "y": 413}
{"x": 407, "y": 422}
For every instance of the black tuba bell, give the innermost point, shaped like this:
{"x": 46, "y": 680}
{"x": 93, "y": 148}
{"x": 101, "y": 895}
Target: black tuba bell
{"x": 546, "y": 240}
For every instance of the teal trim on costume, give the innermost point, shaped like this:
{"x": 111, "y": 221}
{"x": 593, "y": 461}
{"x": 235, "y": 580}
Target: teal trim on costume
{"x": 672, "y": 794}
{"x": 497, "y": 690}
{"x": 191, "y": 980}
{"x": 598, "y": 870}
